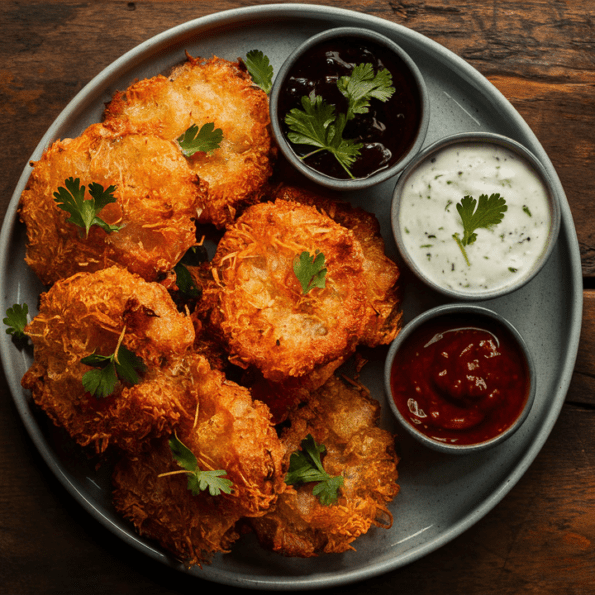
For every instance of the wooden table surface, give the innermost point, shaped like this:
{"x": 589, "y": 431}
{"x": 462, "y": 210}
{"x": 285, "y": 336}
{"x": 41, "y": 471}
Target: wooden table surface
{"x": 541, "y": 54}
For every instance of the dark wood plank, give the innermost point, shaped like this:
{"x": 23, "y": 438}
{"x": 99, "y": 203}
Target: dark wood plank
{"x": 582, "y": 388}
{"x": 541, "y": 55}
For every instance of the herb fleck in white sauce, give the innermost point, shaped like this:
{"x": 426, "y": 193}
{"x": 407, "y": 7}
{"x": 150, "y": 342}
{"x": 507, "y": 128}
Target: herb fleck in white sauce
{"x": 428, "y": 217}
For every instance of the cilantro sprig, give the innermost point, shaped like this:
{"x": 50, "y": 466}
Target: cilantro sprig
{"x": 206, "y": 139}
{"x": 318, "y": 124}
{"x": 198, "y": 480}
{"x": 16, "y": 321}
{"x": 108, "y": 369}
{"x": 310, "y": 270}
{"x": 193, "y": 257}
{"x": 362, "y": 86}
{"x": 485, "y": 213}
{"x": 305, "y": 466}
{"x": 260, "y": 70}
{"x": 84, "y": 212}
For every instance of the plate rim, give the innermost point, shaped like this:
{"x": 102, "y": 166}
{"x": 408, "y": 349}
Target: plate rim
{"x": 296, "y": 10}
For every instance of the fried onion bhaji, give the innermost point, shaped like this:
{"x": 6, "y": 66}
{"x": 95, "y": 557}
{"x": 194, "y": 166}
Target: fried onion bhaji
{"x": 87, "y": 313}
{"x": 345, "y": 420}
{"x": 230, "y": 432}
{"x": 157, "y": 196}
{"x": 383, "y": 316}
{"x": 258, "y": 305}
{"x": 202, "y": 91}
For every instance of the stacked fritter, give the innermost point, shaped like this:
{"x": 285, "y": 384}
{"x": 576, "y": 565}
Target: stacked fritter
{"x": 242, "y": 370}
{"x": 157, "y": 196}
{"x": 209, "y": 91}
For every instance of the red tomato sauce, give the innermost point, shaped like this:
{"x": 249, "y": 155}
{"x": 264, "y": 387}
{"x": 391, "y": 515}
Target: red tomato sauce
{"x": 460, "y": 381}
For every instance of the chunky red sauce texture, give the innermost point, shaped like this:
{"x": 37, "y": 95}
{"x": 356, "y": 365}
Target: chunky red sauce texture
{"x": 460, "y": 381}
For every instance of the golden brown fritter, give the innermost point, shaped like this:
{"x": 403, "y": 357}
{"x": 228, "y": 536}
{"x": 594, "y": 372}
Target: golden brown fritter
{"x": 344, "y": 419}
{"x": 199, "y": 92}
{"x": 157, "y": 196}
{"x": 258, "y": 305}
{"x": 87, "y": 313}
{"x": 230, "y": 433}
{"x": 383, "y": 311}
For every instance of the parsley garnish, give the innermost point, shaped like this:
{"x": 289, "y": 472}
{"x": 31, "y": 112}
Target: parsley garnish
{"x": 207, "y": 139}
{"x": 489, "y": 212}
{"x": 16, "y": 320}
{"x": 319, "y": 126}
{"x": 310, "y": 270}
{"x": 84, "y": 212}
{"x": 102, "y": 381}
{"x": 305, "y": 466}
{"x": 198, "y": 480}
{"x": 260, "y": 70}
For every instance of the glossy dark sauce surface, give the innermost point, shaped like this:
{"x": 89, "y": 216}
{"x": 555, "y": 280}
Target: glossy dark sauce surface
{"x": 388, "y": 129}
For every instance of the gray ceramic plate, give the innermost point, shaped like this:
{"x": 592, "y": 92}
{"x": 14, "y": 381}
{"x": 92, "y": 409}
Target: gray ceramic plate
{"x": 440, "y": 497}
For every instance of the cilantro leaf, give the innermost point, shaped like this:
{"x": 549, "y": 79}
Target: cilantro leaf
{"x": 305, "y": 466}
{"x": 127, "y": 364}
{"x": 327, "y": 491}
{"x": 260, "y": 70}
{"x": 182, "y": 454}
{"x": 194, "y": 256}
{"x": 83, "y": 212}
{"x": 198, "y": 480}
{"x": 489, "y": 212}
{"x": 318, "y": 126}
{"x": 207, "y": 139}
{"x": 213, "y": 480}
{"x": 16, "y": 320}
{"x": 310, "y": 270}
{"x": 102, "y": 381}
{"x": 363, "y": 85}
{"x": 185, "y": 282}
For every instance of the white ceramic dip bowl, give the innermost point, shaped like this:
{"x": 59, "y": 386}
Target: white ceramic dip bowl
{"x": 475, "y": 216}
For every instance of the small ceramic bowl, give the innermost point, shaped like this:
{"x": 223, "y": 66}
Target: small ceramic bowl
{"x": 427, "y": 216}
{"x": 410, "y": 104}
{"x": 448, "y": 407}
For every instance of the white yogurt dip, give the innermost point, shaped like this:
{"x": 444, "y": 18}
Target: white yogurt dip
{"x": 428, "y": 218}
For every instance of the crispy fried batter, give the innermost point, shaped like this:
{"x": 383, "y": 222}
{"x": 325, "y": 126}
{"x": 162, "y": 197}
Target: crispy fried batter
{"x": 157, "y": 200}
{"x": 202, "y": 91}
{"x": 250, "y": 311}
{"x": 231, "y": 433}
{"x": 383, "y": 315}
{"x": 344, "y": 419}
{"x": 260, "y": 309}
{"x": 87, "y": 313}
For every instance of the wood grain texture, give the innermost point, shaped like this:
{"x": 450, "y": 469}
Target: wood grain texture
{"x": 541, "y": 54}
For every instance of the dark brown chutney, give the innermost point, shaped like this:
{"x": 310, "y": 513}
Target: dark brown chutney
{"x": 389, "y": 128}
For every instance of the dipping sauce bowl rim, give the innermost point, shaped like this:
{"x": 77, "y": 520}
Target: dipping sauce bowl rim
{"x": 383, "y": 175}
{"x": 506, "y": 143}
{"x": 443, "y": 311}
